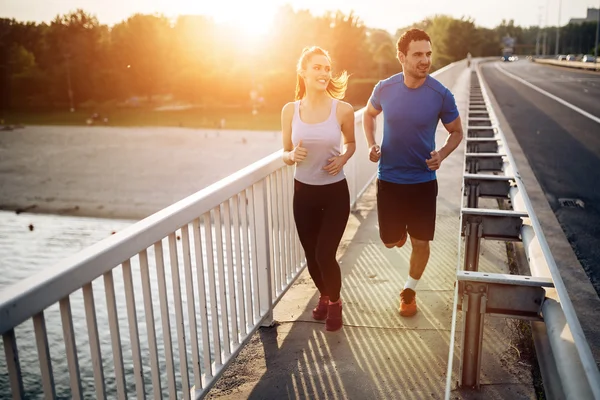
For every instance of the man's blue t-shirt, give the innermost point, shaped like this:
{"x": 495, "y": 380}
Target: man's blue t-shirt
{"x": 410, "y": 119}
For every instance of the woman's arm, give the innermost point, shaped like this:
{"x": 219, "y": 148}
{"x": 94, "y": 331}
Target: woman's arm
{"x": 348, "y": 130}
{"x": 287, "y": 113}
{"x": 345, "y": 114}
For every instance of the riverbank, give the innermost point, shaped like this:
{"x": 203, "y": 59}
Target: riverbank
{"x": 126, "y": 173}
{"x": 181, "y": 117}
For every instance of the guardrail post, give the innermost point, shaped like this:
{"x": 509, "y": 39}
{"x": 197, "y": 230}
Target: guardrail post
{"x": 263, "y": 261}
{"x": 473, "y": 235}
{"x": 473, "y": 312}
{"x": 473, "y": 196}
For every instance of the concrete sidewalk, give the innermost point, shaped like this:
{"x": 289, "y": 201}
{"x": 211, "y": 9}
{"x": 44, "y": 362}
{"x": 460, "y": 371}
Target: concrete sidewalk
{"x": 378, "y": 354}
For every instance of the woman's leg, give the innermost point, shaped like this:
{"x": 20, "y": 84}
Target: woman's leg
{"x": 308, "y": 215}
{"x": 336, "y": 212}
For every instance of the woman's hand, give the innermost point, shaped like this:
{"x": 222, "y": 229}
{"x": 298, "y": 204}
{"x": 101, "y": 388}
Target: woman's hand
{"x": 298, "y": 154}
{"x": 335, "y": 165}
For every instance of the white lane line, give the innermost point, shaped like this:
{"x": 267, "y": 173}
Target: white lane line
{"x": 561, "y": 101}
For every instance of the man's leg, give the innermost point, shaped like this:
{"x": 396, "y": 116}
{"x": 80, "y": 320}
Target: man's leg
{"x": 418, "y": 258}
{"x": 391, "y": 214}
{"x": 421, "y": 227}
{"x": 418, "y": 262}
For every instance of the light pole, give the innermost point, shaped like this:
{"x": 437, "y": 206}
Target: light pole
{"x": 544, "y": 46}
{"x": 539, "y": 32}
{"x": 558, "y": 27}
{"x": 597, "y": 33}
{"x": 67, "y": 57}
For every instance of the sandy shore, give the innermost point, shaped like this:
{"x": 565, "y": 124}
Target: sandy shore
{"x": 125, "y": 173}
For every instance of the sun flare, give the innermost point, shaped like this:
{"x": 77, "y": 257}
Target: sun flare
{"x": 250, "y": 19}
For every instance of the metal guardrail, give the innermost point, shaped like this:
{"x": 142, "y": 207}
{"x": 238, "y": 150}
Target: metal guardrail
{"x": 570, "y": 371}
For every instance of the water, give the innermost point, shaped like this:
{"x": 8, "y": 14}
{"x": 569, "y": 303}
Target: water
{"x": 23, "y": 252}
{"x": 32, "y": 242}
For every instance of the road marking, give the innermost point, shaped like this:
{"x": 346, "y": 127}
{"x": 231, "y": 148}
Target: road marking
{"x": 561, "y": 101}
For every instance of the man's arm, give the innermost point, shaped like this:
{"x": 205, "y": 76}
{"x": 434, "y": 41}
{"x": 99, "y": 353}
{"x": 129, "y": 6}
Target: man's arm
{"x": 455, "y": 131}
{"x": 368, "y": 122}
{"x": 454, "y": 138}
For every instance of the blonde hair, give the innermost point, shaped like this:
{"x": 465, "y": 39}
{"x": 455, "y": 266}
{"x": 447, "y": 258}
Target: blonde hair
{"x": 337, "y": 85}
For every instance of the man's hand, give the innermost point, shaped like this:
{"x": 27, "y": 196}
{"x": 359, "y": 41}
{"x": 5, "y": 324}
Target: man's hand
{"x": 298, "y": 154}
{"x": 435, "y": 161}
{"x": 335, "y": 165}
{"x": 375, "y": 153}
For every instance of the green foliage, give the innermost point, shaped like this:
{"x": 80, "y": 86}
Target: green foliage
{"x": 194, "y": 60}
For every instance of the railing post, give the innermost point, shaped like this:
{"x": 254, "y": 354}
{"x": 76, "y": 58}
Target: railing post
{"x": 474, "y": 304}
{"x": 473, "y": 236}
{"x": 263, "y": 260}
{"x": 473, "y": 196}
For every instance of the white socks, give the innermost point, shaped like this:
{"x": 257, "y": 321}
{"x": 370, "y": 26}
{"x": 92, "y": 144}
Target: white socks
{"x": 411, "y": 283}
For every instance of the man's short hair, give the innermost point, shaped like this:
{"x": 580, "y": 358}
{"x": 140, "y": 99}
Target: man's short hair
{"x": 410, "y": 36}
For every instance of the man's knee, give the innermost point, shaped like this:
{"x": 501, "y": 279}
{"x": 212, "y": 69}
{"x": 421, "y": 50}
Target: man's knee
{"x": 390, "y": 245}
{"x": 419, "y": 245}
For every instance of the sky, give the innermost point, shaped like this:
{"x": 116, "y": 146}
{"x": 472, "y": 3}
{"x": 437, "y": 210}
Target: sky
{"x": 255, "y": 16}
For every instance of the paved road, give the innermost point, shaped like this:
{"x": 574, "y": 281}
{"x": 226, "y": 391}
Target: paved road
{"x": 561, "y": 145}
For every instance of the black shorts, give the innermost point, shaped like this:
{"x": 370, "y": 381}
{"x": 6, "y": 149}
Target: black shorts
{"x": 405, "y": 208}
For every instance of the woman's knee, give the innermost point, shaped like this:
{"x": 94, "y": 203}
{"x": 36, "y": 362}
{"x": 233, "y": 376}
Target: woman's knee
{"x": 325, "y": 256}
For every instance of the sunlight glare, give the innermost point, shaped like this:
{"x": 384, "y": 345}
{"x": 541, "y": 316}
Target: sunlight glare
{"x": 250, "y": 19}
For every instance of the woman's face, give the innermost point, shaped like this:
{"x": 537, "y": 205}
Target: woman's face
{"x": 317, "y": 73}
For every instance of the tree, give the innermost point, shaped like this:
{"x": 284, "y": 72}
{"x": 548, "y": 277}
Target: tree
{"x": 142, "y": 50}
{"x": 74, "y": 51}
{"x": 348, "y": 44}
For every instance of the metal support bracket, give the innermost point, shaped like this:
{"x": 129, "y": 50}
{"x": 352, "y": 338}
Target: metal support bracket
{"x": 480, "y": 131}
{"x": 480, "y": 119}
{"x": 476, "y": 162}
{"x": 502, "y": 225}
{"x": 491, "y": 186}
{"x": 482, "y": 145}
{"x": 512, "y": 296}
{"x": 503, "y": 295}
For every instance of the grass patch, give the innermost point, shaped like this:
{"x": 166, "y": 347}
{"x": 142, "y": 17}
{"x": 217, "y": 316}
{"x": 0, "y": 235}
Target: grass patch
{"x": 197, "y": 117}
{"x": 521, "y": 337}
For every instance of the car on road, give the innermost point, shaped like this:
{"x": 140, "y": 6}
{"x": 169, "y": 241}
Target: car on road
{"x": 588, "y": 58}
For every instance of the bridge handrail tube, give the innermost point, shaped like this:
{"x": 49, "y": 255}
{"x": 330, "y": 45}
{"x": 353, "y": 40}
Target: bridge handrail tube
{"x": 544, "y": 265}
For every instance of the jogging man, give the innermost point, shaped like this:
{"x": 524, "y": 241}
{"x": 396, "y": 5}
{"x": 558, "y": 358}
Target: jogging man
{"x": 413, "y": 103}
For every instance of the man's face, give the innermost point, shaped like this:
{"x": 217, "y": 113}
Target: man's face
{"x": 417, "y": 61}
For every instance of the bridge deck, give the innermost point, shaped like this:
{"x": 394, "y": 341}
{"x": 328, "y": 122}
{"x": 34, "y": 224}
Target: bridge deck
{"x": 378, "y": 354}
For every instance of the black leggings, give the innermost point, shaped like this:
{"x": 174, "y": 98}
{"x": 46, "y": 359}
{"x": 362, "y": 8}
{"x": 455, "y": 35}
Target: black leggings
{"x": 321, "y": 213}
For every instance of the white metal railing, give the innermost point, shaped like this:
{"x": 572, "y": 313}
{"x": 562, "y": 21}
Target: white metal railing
{"x": 184, "y": 290}
{"x": 211, "y": 267}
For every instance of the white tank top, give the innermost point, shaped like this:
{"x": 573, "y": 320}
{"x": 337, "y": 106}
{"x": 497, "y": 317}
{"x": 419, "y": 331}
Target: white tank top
{"x": 322, "y": 141}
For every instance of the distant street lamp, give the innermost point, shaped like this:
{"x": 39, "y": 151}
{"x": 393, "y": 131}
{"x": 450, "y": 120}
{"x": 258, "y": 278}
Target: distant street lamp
{"x": 67, "y": 56}
{"x": 597, "y": 33}
{"x": 558, "y": 27}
